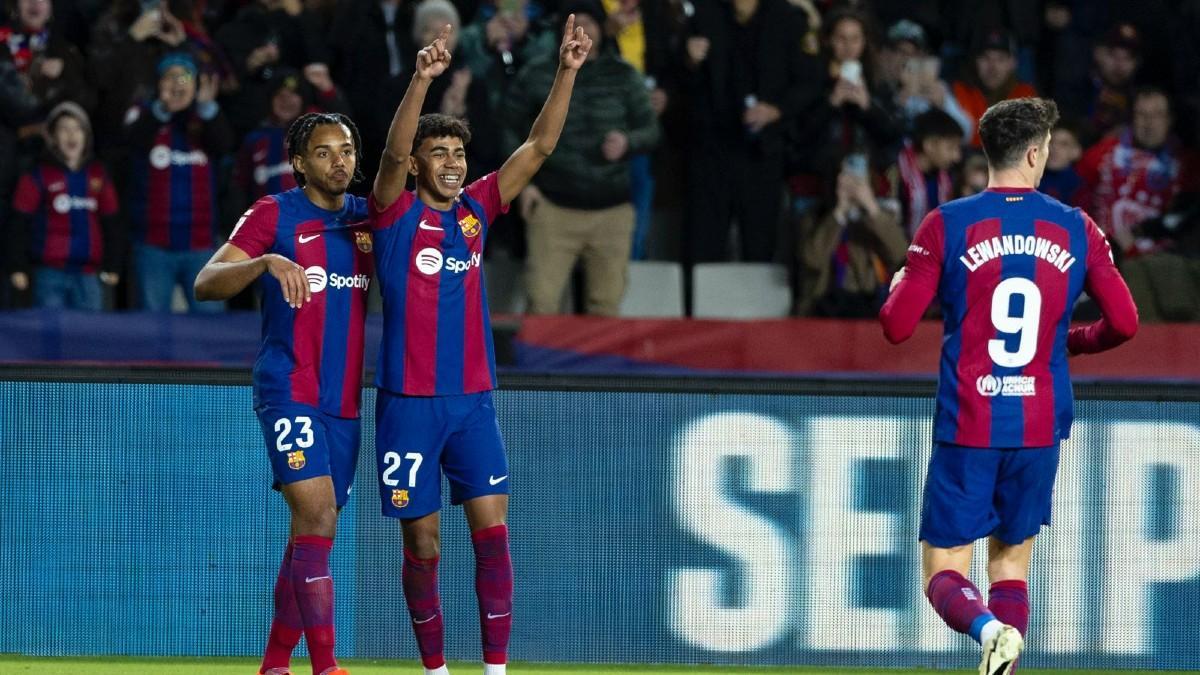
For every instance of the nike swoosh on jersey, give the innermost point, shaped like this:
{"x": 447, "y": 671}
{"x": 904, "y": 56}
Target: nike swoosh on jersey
{"x": 496, "y": 481}
{"x": 423, "y": 226}
{"x": 426, "y": 620}
{"x": 305, "y": 239}
{"x": 497, "y": 616}
{"x": 309, "y": 580}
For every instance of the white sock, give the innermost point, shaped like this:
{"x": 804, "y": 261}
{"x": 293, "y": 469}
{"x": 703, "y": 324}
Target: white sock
{"x": 440, "y": 670}
{"x": 989, "y": 631}
{"x": 494, "y": 668}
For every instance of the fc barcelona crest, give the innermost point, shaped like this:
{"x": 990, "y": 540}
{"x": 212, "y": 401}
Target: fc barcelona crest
{"x": 400, "y": 498}
{"x": 469, "y": 225}
{"x": 363, "y": 240}
{"x": 296, "y": 459}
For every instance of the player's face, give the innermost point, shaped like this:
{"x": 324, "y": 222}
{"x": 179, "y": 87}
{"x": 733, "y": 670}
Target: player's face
{"x": 1151, "y": 121}
{"x": 847, "y": 41}
{"x": 994, "y": 67}
{"x": 440, "y": 165}
{"x": 330, "y": 160}
{"x": 69, "y": 138}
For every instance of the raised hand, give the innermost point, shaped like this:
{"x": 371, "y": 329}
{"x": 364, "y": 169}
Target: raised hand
{"x": 575, "y": 45}
{"x": 207, "y": 89}
{"x": 434, "y": 59}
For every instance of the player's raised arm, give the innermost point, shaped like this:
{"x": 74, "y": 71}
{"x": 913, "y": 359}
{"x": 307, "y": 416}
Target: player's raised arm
{"x": 1119, "y": 320}
{"x": 525, "y": 161}
{"x": 393, "y": 167}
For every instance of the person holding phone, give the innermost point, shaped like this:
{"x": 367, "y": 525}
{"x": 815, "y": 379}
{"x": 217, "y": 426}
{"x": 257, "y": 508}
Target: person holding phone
{"x": 910, "y": 78}
{"x": 846, "y": 116}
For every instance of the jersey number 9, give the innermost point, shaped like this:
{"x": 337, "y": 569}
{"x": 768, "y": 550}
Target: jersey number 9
{"x": 1025, "y": 325}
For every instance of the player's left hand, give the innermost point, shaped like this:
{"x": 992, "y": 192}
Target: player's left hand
{"x": 896, "y": 278}
{"x": 434, "y": 59}
{"x": 575, "y": 45}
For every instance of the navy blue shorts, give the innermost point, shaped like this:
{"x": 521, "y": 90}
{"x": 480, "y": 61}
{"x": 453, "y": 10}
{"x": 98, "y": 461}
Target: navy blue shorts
{"x": 304, "y": 442}
{"x": 971, "y": 493}
{"x": 418, "y": 438}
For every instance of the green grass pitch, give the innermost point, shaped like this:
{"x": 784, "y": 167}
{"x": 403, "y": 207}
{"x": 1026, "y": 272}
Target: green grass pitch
{"x": 28, "y": 665}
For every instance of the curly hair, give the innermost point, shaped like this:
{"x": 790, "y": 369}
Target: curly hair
{"x": 437, "y": 125}
{"x": 1009, "y": 127}
{"x": 302, "y": 130}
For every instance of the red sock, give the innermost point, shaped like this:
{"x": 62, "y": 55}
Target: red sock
{"x": 420, "y": 582}
{"x": 1009, "y": 601}
{"x": 957, "y": 601}
{"x": 288, "y": 625}
{"x": 314, "y": 595}
{"x": 494, "y": 587}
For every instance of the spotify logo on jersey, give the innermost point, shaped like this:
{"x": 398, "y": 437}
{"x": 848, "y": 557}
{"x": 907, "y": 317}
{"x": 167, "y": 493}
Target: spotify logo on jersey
{"x": 429, "y": 260}
{"x": 316, "y": 278}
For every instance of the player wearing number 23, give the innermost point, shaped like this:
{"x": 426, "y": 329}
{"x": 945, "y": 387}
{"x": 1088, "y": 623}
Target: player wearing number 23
{"x": 1007, "y": 266}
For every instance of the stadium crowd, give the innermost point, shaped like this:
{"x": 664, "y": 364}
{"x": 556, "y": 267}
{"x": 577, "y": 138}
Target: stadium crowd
{"x": 812, "y": 133}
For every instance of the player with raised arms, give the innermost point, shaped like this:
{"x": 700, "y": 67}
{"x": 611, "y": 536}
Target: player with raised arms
{"x": 315, "y": 244}
{"x": 434, "y": 412}
{"x": 1007, "y": 266}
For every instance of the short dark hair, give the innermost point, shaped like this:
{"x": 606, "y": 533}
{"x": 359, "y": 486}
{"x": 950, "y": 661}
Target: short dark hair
{"x": 302, "y": 129}
{"x": 437, "y": 125}
{"x": 1009, "y": 127}
{"x": 1148, "y": 90}
{"x": 934, "y": 123}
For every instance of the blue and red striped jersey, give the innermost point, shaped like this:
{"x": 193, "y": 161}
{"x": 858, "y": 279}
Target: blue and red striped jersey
{"x": 262, "y": 166}
{"x": 66, "y": 207}
{"x": 173, "y": 194}
{"x": 437, "y": 335}
{"x": 1007, "y": 266}
{"x": 312, "y": 355}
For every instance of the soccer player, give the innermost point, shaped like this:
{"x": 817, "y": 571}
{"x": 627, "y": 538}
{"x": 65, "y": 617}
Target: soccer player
{"x": 434, "y": 412}
{"x": 316, "y": 244}
{"x": 1007, "y": 265}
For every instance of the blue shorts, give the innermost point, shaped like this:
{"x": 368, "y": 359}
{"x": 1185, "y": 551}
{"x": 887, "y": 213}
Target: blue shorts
{"x": 971, "y": 493}
{"x": 418, "y": 438}
{"x": 304, "y": 442}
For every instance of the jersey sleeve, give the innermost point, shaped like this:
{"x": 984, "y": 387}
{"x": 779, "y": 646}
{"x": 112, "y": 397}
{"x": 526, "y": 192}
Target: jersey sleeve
{"x": 916, "y": 289}
{"x": 255, "y": 231}
{"x": 28, "y": 196}
{"x": 486, "y": 191}
{"x": 381, "y": 219}
{"x": 1119, "y": 320}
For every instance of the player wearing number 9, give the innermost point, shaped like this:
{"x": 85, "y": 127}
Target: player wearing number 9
{"x": 1007, "y": 266}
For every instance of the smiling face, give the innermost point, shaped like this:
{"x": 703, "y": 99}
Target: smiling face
{"x": 440, "y": 165}
{"x": 329, "y": 160}
{"x": 69, "y": 139}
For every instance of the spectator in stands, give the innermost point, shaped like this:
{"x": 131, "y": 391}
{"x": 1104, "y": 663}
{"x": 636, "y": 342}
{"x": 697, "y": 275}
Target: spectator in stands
{"x": 1135, "y": 174}
{"x": 923, "y": 166}
{"x": 1061, "y": 179}
{"x": 264, "y": 36}
{"x": 847, "y": 259}
{"x": 991, "y": 79}
{"x": 641, "y": 31}
{"x": 262, "y": 165}
{"x": 51, "y": 68}
{"x": 372, "y": 45}
{"x": 176, "y": 142}
{"x": 1141, "y": 186}
{"x": 742, "y": 100}
{"x": 911, "y": 76}
{"x": 503, "y": 37}
{"x": 845, "y": 117}
{"x": 65, "y": 225}
{"x": 973, "y": 178}
{"x": 126, "y": 45}
{"x": 579, "y": 206}
{"x": 1103, "y": 101}
{"x": 17, "y": 104}
{"x": 450, "y": 93}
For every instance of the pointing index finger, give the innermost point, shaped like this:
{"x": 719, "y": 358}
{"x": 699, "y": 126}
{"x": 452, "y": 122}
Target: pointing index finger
{"x": 570, "y": 28}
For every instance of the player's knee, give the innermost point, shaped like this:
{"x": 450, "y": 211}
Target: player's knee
{"x": 316, "y": 519}
{"x": 422, "y": 541}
